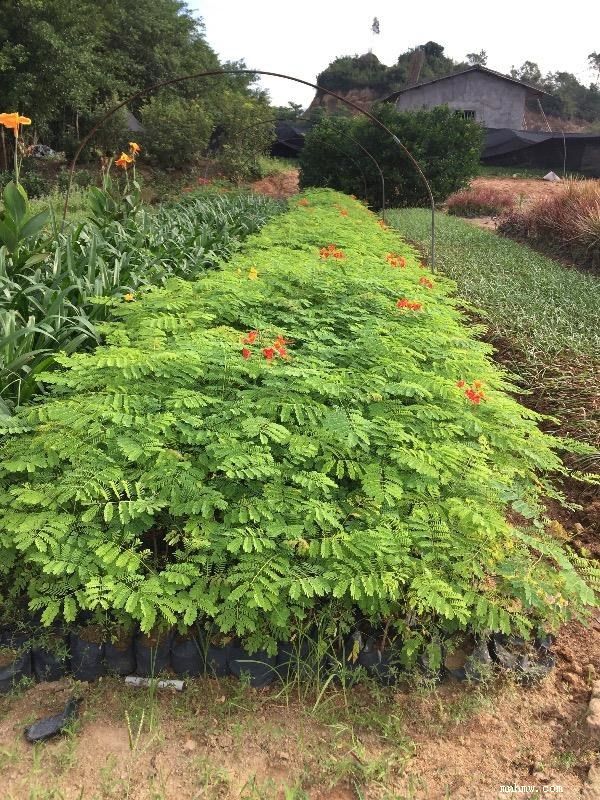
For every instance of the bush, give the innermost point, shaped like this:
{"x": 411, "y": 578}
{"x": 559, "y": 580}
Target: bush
{"x": 566, "y": 223}
{"x": 300, "y": 435}
{"x": 479, "y": 202}
{"x": 446, "y": 146}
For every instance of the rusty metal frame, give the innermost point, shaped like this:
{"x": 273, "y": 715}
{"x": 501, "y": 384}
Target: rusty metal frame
{"x": 222, "y": 72}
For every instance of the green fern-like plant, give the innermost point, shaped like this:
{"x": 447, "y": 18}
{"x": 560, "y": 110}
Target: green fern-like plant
{"x": 280, "y": 438}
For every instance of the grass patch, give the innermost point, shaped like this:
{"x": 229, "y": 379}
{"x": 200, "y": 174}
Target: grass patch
{"x": 542, "y": 317}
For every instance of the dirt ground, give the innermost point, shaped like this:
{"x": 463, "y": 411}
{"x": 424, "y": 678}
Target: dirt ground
{"x": 220, "y": 740}
{"x": 279, "y": 185}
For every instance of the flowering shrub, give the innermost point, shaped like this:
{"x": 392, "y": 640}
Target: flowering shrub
{"x": 171, "y": 478}
{"x": 480, "y": 202}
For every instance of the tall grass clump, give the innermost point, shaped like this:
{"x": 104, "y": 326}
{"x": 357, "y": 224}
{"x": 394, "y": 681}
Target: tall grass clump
{"x": 566, "y": 223}
{"x": 311, "y": 433}
{"x": 479, "y": 201}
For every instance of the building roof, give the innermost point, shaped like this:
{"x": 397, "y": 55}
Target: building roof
{"x": 475, "y": 68}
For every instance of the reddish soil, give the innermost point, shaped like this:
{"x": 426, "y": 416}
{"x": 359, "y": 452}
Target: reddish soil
{"x": 280, "y": 185}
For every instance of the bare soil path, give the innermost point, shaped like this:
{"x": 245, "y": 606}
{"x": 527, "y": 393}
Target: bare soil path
{"x": 219, "y": 740}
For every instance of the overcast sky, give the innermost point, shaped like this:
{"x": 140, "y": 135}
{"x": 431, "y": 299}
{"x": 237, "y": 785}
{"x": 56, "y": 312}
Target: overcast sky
{"x": 300, "y": 37}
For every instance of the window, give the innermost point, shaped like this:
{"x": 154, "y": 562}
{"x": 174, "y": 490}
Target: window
{"x": 467, "y": 113}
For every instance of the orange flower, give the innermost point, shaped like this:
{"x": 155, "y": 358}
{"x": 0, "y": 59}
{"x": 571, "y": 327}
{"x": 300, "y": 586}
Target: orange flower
{"x": 123, "y": 161}
{"x": 382, "y": 224}
{"x": 474, "y": 397}
{"x": 473, "y": 392}
{"x": 395, "y": 261}
{"x": 343, "y": 213}
{"x": 331, "y": 251}
{"x": 303, "y": 202}
{"x": 409, "y": 305}
{"x": 128, "y": 297}
{"x": 246, "y": 353}
{"x": 426, "y": 282}
{"x": 250, "y": 337}
{"x": 13, "y": 121}
{"x": 134, "y": 147}
{"x": 268, "y": 353}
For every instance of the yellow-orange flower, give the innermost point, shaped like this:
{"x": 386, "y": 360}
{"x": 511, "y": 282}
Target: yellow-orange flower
{"x": 128, "y": 297}
{"x": 134, "y": 147}
{"x": 13, "y": 121}
{"x": 253, "y": 274}
{"x": 123, "y": 161}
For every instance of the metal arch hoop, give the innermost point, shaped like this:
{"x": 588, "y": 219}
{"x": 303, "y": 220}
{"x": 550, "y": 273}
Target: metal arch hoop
{"x": 350, "y": 138}
{"x": 220, "y": 72}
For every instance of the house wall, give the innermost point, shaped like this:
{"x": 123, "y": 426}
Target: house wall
{"x": 497, "y": 103}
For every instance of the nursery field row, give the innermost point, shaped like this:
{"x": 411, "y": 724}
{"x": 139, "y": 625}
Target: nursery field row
{"x": 311, "y": 435}
{"x": 55, "y": 291}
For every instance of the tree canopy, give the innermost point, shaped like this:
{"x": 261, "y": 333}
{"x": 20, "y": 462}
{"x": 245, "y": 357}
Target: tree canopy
{"x": 62, "y": 62}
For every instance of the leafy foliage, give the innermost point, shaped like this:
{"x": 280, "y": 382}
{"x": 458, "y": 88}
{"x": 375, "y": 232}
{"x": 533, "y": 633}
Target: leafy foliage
{"x": 282, "y": 438}
{"x": 50, "y": 294}
{"x": 352, "y": 72}
{"x": 446, "y": 146}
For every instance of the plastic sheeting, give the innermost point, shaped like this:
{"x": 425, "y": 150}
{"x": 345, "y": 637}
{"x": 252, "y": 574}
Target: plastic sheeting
{"x": 569, "y": 152}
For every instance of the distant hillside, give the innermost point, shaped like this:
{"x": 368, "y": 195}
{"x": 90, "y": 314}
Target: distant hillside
{"x": 364, "y": 80}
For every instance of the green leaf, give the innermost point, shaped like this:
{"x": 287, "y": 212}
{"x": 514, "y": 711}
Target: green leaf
{"x": 34, "y": 225}
{"x": 15, "y": 202}
{"x": 8, "y": 235}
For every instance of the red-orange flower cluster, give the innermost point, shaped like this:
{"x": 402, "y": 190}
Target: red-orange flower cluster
{"x": 426, "y": 282}
{"x": 473, "y": 392}
{"x": 409, "y": 305}
{"x": 277, "y": 348}
{"x": 331, "y": 251}
{"x": 303, "y": 202}
{"x": 395, "y": 261}
{"x": 250, "y": 337}
{"x": 343, "y": 213}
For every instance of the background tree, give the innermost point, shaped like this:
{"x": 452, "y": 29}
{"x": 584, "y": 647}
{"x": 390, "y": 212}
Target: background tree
{"x": 61, "y": 62}
{"x": 594, "y": 61}
{"x": 477, "y": 58}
